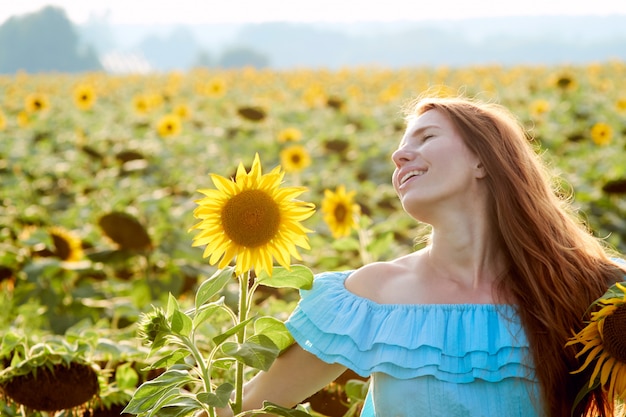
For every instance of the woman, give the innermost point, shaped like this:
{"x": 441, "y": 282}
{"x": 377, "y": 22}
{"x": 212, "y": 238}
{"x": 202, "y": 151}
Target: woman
{"x": 475, "y": 323}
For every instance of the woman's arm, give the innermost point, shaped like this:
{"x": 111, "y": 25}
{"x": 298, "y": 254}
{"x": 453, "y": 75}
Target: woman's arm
{"x": 293, "y": 377}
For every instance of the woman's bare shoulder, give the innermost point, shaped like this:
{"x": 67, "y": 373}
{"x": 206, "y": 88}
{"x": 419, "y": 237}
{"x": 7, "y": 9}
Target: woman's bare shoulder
{"x": 371, "y": 280}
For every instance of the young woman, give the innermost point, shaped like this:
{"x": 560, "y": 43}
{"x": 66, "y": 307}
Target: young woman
{"x": 474, "y": 324}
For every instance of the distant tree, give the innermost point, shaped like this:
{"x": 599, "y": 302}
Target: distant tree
{"x": 242, "y": 56}
{"x": 43, "y": 41}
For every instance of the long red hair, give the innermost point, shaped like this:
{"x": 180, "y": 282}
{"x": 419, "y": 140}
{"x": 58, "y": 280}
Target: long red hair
{"x": 555, "y": 267}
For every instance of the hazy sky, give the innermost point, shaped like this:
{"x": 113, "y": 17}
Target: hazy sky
{"x": 209, "y": 11}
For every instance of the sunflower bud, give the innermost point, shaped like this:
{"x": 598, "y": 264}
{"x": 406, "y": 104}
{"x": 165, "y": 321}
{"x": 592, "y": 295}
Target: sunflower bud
{"x": 154, "y": 327}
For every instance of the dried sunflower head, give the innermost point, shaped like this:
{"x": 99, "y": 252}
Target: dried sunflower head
{"x": 49, "y": 377}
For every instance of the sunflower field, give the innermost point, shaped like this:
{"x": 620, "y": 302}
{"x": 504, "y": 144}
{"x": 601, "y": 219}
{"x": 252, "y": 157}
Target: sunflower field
{"x": 100, "y": 177}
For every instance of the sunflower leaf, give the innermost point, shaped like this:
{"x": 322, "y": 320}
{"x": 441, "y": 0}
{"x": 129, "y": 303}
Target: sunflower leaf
{"x": 258, "y": 351}
{"x": 181, "y": 323}
{"x": 275, "y": 330}
{"x": 297, "y": 276}
{"x": 219, "y": 398}
{"x": 586, "y": 389}
{"x": 230, "y": 332}
{"x": 207, "y": 310}
{"x": 213, "y": 286}
{"x": 278, "y": 410}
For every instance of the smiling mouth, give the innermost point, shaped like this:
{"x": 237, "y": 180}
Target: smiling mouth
{"x": 411, "y": 174}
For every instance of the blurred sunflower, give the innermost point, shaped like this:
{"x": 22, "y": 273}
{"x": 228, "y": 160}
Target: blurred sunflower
{"x": 22, "y": 119}
{"x": 67, "y": 246}
{"x": 601, "y": 133}
{"x": 169, "y": 125}
{"x": 340, "y": 212}
{"x": 183, "y": 111}
{"x": 295, "y": 158}
{"x": 565, "y": 82}
{"x": 604, "y": 341}
{"x": 251, "y": 219}
{"x": 539, "y": 107}
{"x": 314, "y": 96}
{"x": 620, "y": 105}
{"x": 290, "y": 134}
{"x": 36, "y": 102}
{"x": 84, "y": 96}
{"x": 141, "y": 104}
{"x": 3, "y": 121}
{"x": 214, "y": 88}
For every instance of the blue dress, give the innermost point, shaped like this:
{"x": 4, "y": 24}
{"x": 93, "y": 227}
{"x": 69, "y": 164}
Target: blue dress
{"x": 430, "y": 360}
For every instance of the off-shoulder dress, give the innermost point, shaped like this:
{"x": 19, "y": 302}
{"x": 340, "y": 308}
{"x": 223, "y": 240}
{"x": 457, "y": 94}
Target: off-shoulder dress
{"x": 430, "y": 360}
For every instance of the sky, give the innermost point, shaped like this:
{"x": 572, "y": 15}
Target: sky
{"x": 240, "y": 11}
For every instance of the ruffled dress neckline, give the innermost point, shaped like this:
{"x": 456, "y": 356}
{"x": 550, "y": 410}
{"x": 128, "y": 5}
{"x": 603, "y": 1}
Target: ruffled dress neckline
{"x": 456, "y": 343}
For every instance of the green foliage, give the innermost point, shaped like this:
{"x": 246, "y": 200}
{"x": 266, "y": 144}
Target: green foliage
{"x": 194, "y": 370}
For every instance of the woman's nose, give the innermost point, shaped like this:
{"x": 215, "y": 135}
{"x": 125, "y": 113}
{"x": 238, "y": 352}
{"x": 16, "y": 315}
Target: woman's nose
{"x": 401, "y": 156}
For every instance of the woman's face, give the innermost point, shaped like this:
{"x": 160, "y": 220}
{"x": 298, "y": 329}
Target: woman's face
{"x": 433, "y": 164}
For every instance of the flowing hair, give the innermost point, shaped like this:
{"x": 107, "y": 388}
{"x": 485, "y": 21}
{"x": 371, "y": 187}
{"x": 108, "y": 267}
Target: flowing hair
{"x": 555, "y": 268}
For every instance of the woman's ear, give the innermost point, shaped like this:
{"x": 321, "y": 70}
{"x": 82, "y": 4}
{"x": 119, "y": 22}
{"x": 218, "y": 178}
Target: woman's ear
{"x": 480, "y": 170}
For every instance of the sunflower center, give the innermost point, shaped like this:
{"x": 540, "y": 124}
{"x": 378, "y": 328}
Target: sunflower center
{"x": 340, "y": 213}
{"x": 251, "y": 218}
{"x": 614, "y": 333}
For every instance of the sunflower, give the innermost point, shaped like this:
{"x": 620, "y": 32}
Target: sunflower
{"x": 340, "y": 211}
{"x": 183, "y": 111}
{"x": 251, "y": 219}
{"x": 67, "y": 246}
{"x": 290, "y": 134}
{"x": 36, "y": 102}
{"x": 3, "y": 121}
{"x": 215, "y": 88}
{"x": 295, "y": 158}
{"x": 604, "y": 341}
{"x": 601, "y": 133}
{"x": 141, "y": 104}
{"x": 22, "y": 119}
{"x": 169, "y": 125}
{"x": 84, "y": 96}
{"x": 539, "y": 107}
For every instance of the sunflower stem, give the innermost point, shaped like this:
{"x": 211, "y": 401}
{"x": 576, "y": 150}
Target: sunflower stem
{"x": 241, "y": 337}
{"x": 364, "y": 242}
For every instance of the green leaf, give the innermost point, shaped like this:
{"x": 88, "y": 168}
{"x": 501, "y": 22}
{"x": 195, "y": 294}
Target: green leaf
{"x": 167, "y": 398}
{"x": 9, "y": 341}
{"x": 258, "y": 352}
{"x": 172, "y": 306}
{"x": 181, "y": 323}
{"x": 381, "y": 244}
{"x": 278, "y": 410}
{"x": 346, "y": 244}
{"x": 219, "y": 398}
{"x": 230, "y": 332}
{"x": 275, "y": 330}
{"x": 183, "y": 407}
{"x": 356, "y": 390}
{"x": 126, "y": 377}
{"x": 148, "y": 393}
{"x": 298, "y": 276}
{"x": 172, "y": 358}
{"x": 213, "y": 286}
{"x": 583, "y": 393}
{"x": 207, "y": 310}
